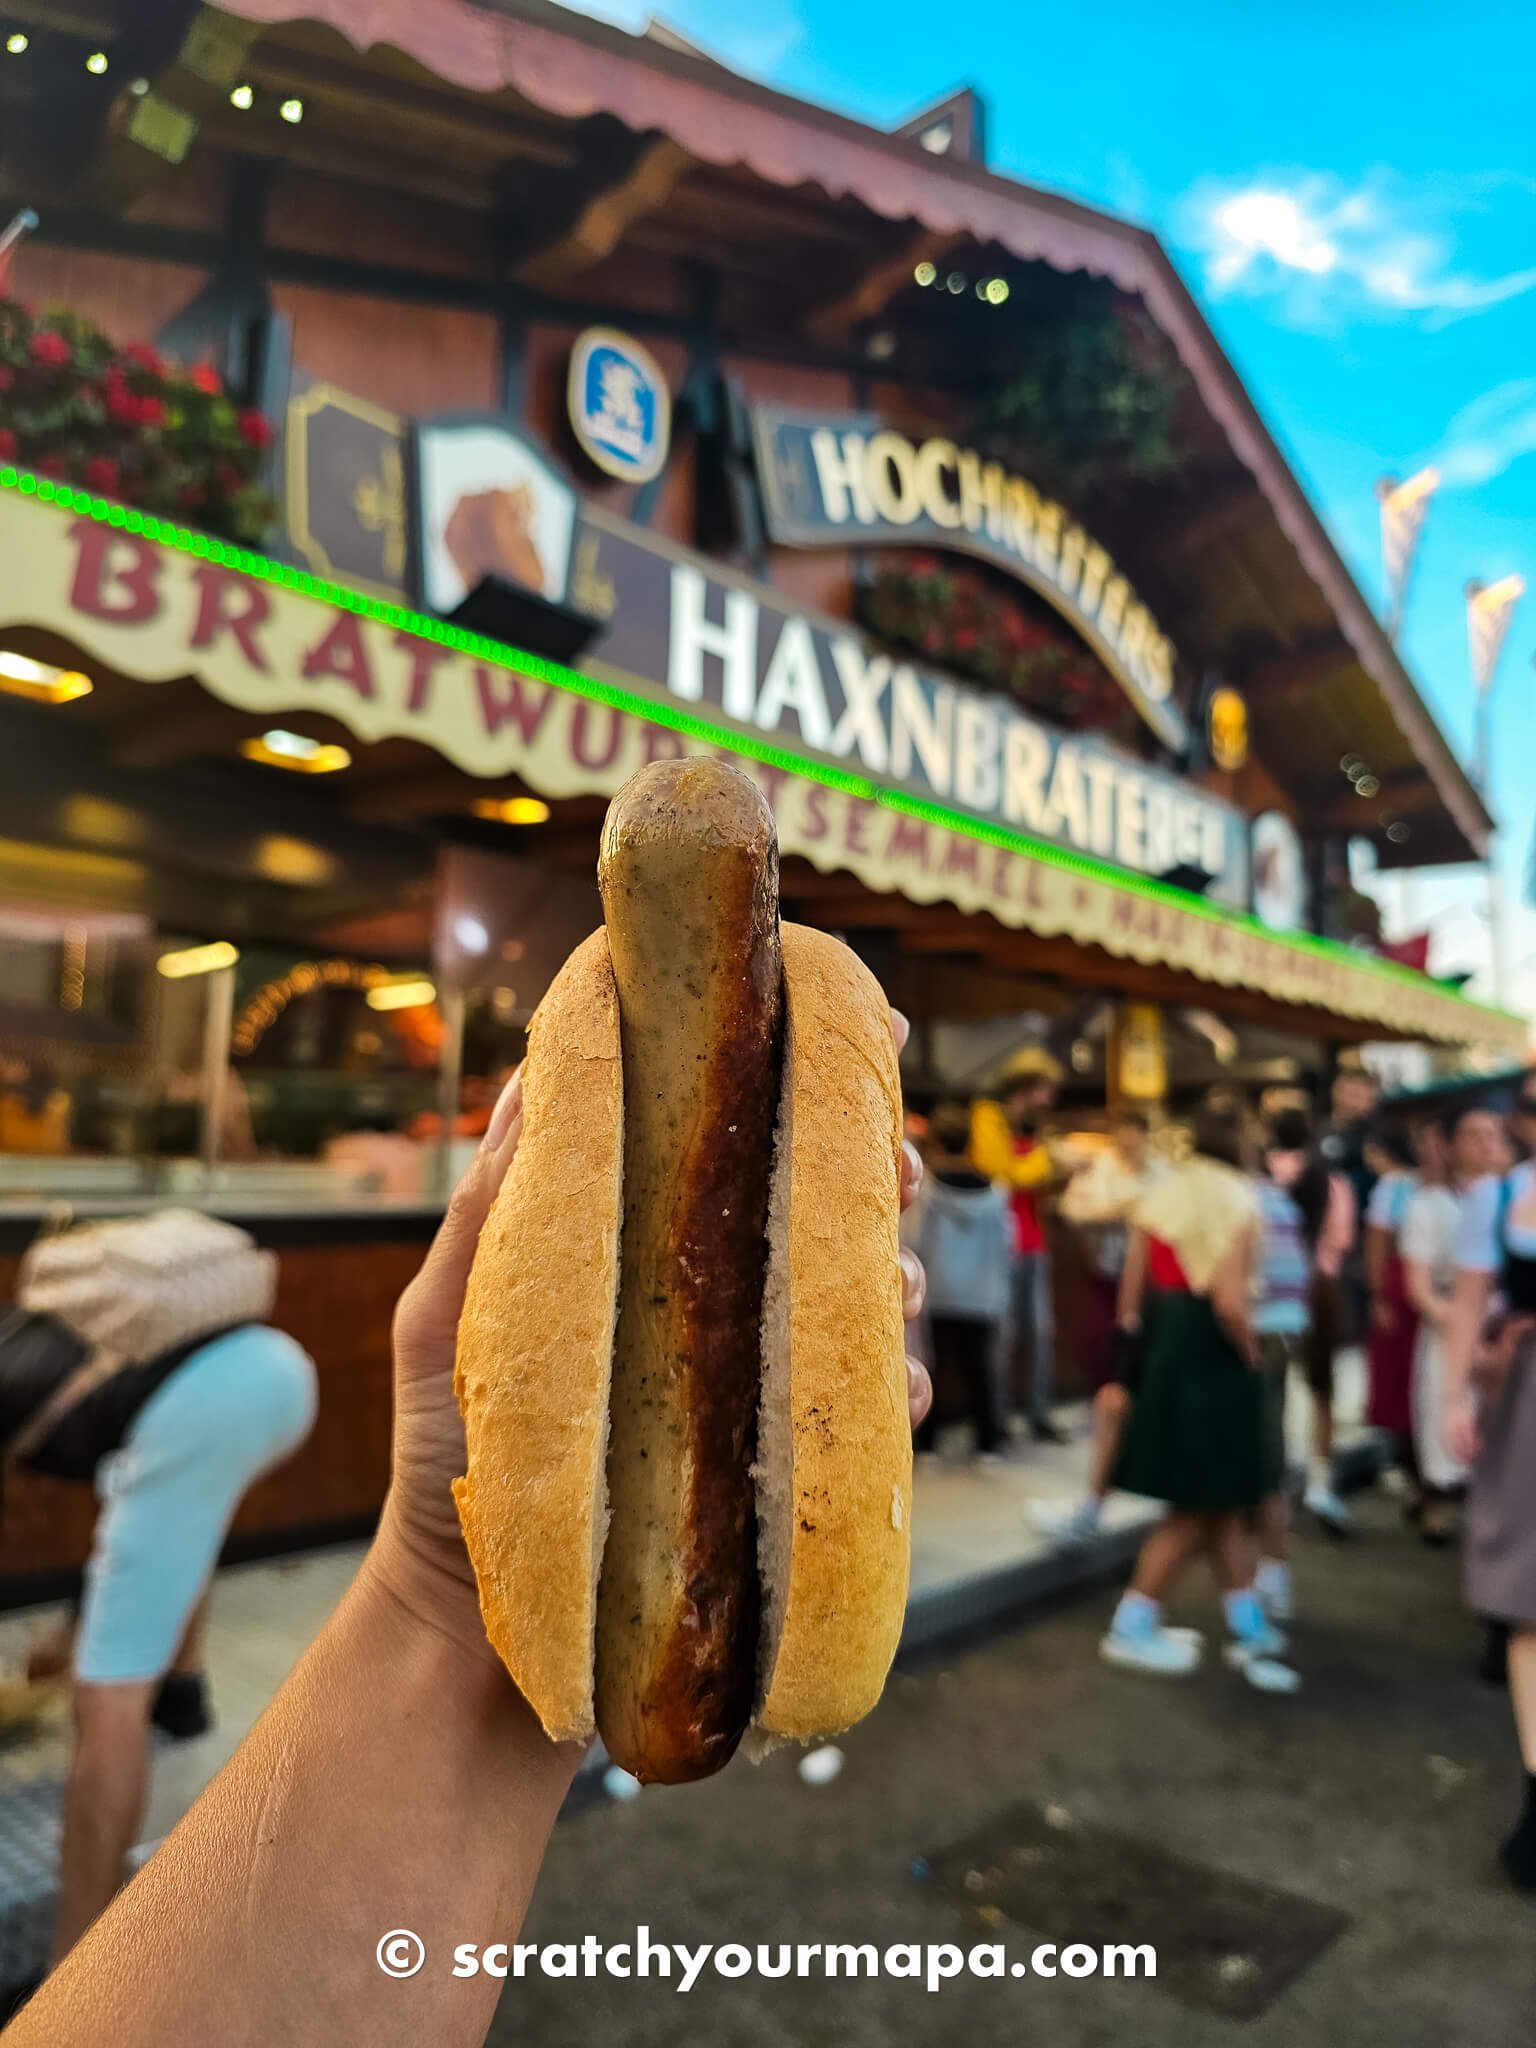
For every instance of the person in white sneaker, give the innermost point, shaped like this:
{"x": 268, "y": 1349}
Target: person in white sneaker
{"x": 1327, "y": 1206}
{"x": 1100, "y": 1202}
{"x": 1006, "y": 1144}
{"x": 1280, "y": 1326}
{"x": 1195, "y": 1437}
{"x": 1431, "y": 1232}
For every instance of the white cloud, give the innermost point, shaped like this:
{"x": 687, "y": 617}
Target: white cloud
{"x": 1254, "y": 225}
{"x": 1330, "y": 251}
{"x": 1488, "y": 435}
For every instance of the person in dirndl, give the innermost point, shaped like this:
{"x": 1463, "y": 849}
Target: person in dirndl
{"x": 1490, "y": 1422}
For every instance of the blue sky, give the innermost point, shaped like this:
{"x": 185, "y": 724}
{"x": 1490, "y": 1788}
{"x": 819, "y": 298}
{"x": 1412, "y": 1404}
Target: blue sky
{"x": 1350, "y": 189}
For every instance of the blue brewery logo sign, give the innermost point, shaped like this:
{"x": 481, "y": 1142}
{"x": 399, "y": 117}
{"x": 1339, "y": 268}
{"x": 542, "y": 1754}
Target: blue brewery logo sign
{"x": 621, "y": 409}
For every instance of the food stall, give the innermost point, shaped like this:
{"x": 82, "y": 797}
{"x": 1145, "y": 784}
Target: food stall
{"x": 598, "y": 405}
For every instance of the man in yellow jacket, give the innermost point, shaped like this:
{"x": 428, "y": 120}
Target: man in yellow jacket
{"x": 1007, "y": 1147}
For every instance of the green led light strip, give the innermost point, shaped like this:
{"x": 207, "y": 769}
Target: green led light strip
{"x": 186, "y": 540}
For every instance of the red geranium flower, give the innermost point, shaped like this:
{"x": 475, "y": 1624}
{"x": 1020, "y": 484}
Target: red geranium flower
{"x": 191, "y": 495}
{"x": 51, "y": 465}
{"x": 7, "y": 444}
{"x": 150, "y": 412}
{"x": 101, "y": 474}
{"x": 51, "y": 350}
{"x": 230, "y": 479}
{"x": 255, "y": 431}
{"x": 144, "y": 356}
{"x": 206, "y": 378}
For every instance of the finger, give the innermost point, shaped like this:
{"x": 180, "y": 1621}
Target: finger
{"x": 914, "y": 1285}
{"x": 427, "y": 1320}
{"x": 911, "y": 1172}
{"x": 901, "y": 1030}
{"x": 919, "y": 1390}
{"x": 509, "y": 1105}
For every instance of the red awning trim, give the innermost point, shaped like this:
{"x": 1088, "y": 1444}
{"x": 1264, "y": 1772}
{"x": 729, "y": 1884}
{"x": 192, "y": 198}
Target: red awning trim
{"x": 584, "y": 67}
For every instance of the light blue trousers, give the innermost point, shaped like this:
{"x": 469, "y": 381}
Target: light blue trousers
{"x": 230, "y": 1412}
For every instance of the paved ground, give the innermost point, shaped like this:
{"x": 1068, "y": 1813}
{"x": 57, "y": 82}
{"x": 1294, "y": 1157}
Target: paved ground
{"x": 974, "y": 1552}
{"x": 1357, "y": 1820}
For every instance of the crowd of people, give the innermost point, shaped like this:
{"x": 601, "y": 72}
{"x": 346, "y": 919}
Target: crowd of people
{"x": 1216, "y": 1276}
{"x": 1215, "y": 1283}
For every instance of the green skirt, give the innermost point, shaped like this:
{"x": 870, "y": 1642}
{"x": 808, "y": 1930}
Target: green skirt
{"x": 1196, "y": 1437}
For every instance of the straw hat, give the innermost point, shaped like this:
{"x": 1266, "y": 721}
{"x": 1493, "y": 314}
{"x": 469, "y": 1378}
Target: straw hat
{"x": 1030, "y": 1063}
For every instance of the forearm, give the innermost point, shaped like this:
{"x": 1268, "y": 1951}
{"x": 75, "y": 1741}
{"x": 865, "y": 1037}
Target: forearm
{"x": 1463, "y": 1327}
{"x": 1231, "y": 1304}
{"x": 1431, "y": 1307}
{"x": 1232, "y": 1294}
{"x": 1133, "y": 1281}
{"x": 1237, "y": 1327}
{"x": 396, "y": 1781}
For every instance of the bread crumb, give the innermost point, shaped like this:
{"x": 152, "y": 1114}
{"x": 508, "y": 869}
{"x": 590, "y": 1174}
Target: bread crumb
{"x": 895, "y": 1507}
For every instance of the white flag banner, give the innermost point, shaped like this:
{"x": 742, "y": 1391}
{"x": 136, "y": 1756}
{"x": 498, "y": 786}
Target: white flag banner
{"x": 1490, "y": 608}
{"x": 1404, "y": 507}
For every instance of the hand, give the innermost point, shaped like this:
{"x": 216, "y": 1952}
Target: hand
{"x": 1460, "y": 1427}
{"x": 913, "y": 1280}
{"x": 419, "y": 1552}
{"x": 1496, "y": 1353}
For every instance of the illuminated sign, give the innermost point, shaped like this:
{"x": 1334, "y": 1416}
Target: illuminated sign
{"x": 488, "y": 503}
{"x": 1141, "y": 1062}
{"x": 620, "y": 407}
{"x": 676, "y": 625}
{"x": 1226, "y": 729}
{"x": 1279, "y": 873}
{"x": 344, "y": 487}
{"x": 155, "y": 600}
{"x": 711, "y": 639}
{"x": 828, "y": 481}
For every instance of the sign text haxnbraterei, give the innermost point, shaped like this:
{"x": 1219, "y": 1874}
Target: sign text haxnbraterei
{"x": 736, "y": 649}
{"x": 832, "y": 480}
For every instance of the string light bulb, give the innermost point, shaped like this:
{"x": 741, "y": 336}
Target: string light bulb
{"x": 17, "y": 44}
{"x": 243, "y": 97}
{"x": 292, "y": 112}
{"x": 193, "y": 960}
{"x": 96, "y": 63}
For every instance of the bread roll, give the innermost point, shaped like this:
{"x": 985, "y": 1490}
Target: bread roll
{"x": 535, "y": 1352}
{"x": 834, "y": 1467}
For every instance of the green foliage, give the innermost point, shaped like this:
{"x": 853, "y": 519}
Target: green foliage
{"x": 1094, "y": 396}
{"x": 129, "y": 426}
